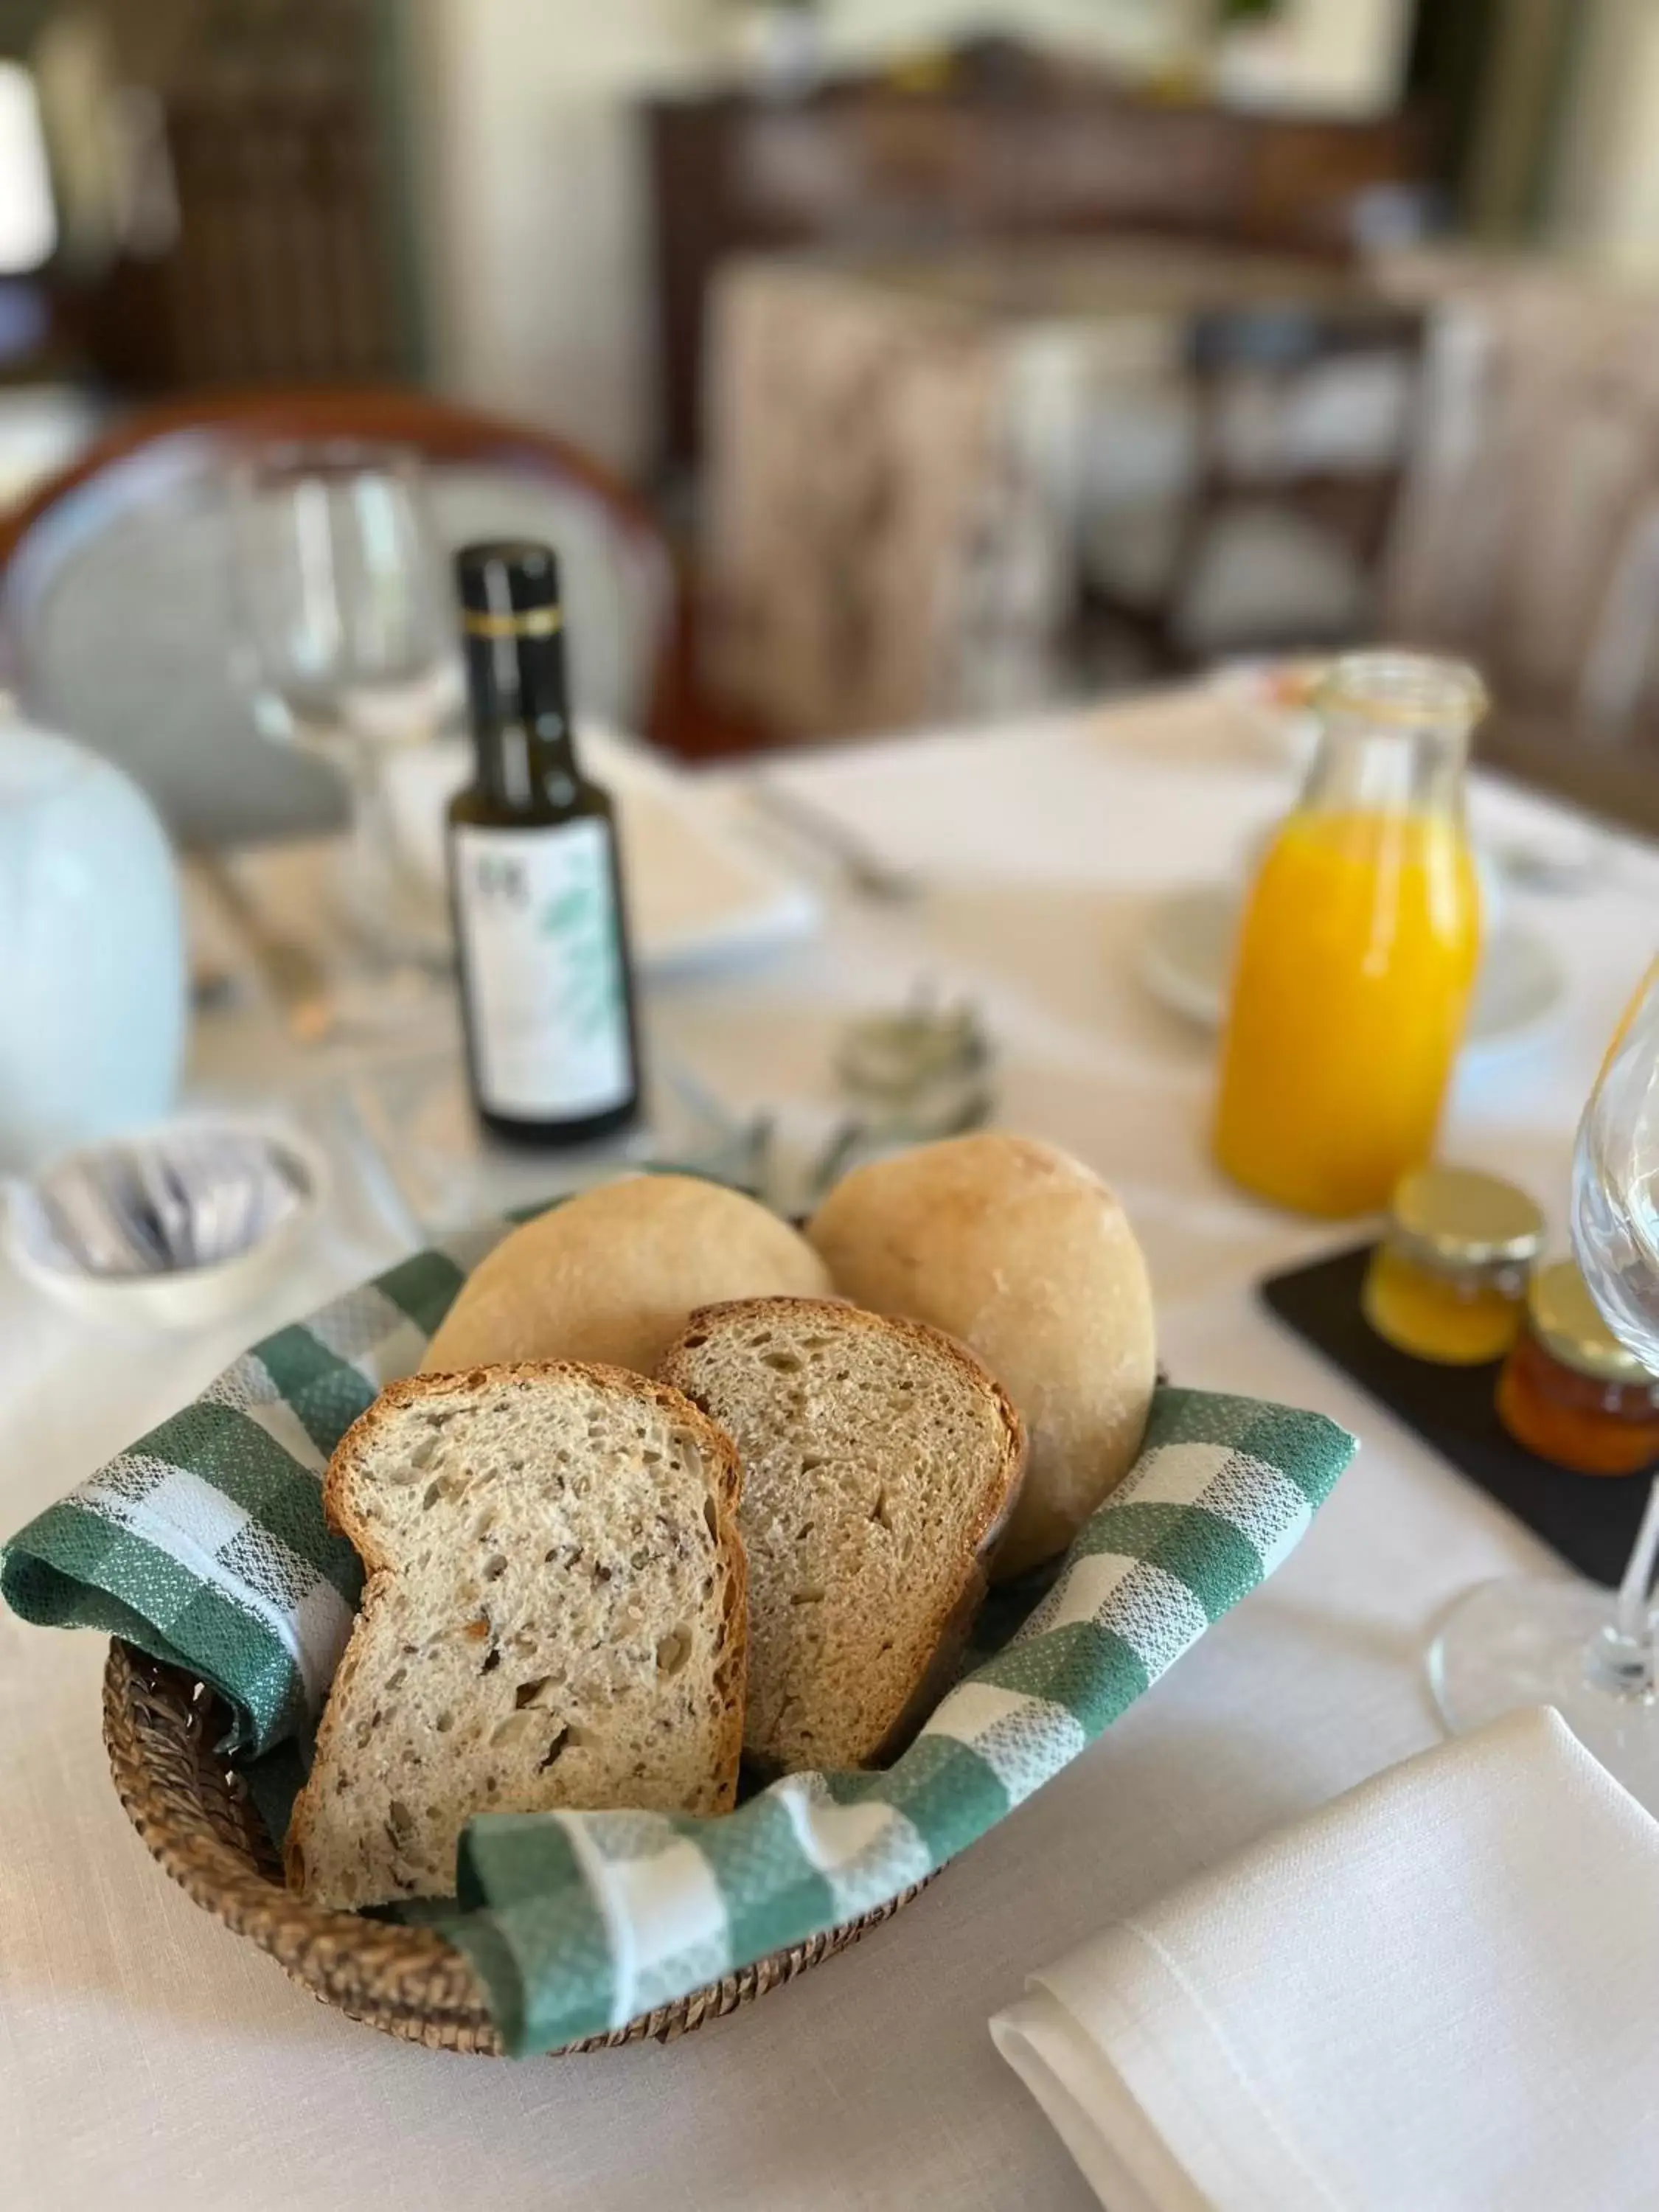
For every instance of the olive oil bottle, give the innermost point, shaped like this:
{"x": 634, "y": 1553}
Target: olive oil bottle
{"x": 547, "y": 992}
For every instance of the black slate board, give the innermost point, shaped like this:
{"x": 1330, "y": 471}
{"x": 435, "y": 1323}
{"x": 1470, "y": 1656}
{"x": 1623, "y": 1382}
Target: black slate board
{"x": 1590, "y": 1520}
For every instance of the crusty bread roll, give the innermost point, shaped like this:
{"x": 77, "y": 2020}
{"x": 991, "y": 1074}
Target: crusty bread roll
{"x": 610, "y": 1276}
{"x": 1025, "y": 1255}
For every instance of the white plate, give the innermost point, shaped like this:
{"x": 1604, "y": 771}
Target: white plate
{"x": 1187, "y": 958}
{"x": 697, "y": 894}
{"x": 1274, "y": 695}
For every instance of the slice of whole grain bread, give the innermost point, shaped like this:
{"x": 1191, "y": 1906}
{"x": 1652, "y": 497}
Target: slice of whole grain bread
{"x": 879, "y": 1461}
{"x": 553, "y": 1616}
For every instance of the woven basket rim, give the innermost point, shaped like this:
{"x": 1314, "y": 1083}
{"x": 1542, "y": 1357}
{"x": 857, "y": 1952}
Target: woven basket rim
{"x": 193, "y": 1813}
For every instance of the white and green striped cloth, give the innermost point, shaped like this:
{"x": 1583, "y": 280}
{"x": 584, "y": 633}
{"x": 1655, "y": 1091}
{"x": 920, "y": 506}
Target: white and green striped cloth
{"x": 205, "y": 1545}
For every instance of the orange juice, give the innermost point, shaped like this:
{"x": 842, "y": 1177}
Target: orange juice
{"x": 1358, "y": 949}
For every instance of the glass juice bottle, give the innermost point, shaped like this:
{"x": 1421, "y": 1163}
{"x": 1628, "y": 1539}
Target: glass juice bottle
{"x": 1358, "y": 949}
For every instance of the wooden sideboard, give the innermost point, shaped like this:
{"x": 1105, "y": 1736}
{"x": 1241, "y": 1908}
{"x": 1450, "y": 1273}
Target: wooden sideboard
{"x": 1027, "y": 152}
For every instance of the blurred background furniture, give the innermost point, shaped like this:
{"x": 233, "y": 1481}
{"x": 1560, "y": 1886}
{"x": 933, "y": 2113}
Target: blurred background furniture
{"x": 555, "y": 214}
{"x": 1528, "y": 538}
{"x": 1000, "y": 142}
{"x": 1295, "y": 418}
{"x": 956, "y": 484}
{"x": 117, "y": 614}
{"x": 231, "y": 190}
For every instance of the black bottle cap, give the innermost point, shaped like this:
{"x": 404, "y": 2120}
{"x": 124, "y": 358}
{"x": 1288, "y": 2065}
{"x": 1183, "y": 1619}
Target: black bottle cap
{"x": 509, "y": 587}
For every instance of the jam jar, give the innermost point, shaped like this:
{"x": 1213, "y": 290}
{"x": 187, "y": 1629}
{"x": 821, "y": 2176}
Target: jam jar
{"x": 1569, "y": 1391}
{"x": 1449, "y": 1281}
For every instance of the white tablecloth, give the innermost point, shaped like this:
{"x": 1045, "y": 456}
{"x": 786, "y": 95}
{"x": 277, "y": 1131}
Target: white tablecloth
{"x": 150, "y": 2059}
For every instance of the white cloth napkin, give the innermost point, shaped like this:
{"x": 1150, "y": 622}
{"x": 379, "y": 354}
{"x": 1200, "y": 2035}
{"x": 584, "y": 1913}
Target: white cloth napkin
{"x": 1440, "y": 1993}
{"x": 697, "y": 892}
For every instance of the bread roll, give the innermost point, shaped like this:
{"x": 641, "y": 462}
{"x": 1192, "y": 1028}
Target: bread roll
{"x": 1025, "y": 1255}
{"x": 610, "y": 1276}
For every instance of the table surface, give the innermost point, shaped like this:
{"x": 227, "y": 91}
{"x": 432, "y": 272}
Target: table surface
{"x": 149, "y": 2058}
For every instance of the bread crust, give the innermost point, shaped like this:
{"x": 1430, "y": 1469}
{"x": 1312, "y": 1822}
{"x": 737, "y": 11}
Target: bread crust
{"x": 423, "y": 1389}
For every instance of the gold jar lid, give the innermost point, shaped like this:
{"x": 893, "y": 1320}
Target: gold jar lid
{"x": 1567, "y": 1322}
{"x": 1457, "y": 1218}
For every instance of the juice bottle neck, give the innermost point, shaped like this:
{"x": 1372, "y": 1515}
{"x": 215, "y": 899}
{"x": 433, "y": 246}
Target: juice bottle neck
{"x": 1395, "y": 736}
{"x": 1386, "y": 772}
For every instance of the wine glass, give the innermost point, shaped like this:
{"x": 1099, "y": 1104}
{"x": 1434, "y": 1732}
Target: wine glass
{"x": 1526, "y": 1640}
{"x": 1615, "y": 1208}
{"x": 346, "y": 637}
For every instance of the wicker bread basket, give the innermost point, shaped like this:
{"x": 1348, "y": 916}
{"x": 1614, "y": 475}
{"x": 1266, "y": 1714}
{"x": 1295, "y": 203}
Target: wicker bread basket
{"x": 193, "y": 1810}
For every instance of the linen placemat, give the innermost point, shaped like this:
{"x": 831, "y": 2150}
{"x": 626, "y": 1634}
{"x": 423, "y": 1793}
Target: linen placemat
{"x": 205, "y": 1545}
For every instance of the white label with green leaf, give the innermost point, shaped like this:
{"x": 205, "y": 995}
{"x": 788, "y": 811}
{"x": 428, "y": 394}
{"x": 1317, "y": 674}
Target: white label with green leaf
{"x": 542, "y": 953}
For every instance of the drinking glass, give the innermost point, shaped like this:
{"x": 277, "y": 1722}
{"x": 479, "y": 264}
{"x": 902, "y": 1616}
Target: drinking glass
{"x": 1537, "y": 1640}
{"x": 349, "y": 649}
{"x": 1615, "y": 1205}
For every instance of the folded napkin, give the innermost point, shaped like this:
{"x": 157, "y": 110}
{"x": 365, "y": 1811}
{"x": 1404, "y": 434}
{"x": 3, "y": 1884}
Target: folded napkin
{"x": 205, "y": 1545}
{"x": 1438, "y": 1993}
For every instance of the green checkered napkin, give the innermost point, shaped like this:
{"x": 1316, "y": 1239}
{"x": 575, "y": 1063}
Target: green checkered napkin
{"x": 205, "y": 1545}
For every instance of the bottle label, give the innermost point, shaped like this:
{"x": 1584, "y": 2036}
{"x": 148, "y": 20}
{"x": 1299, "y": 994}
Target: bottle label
{"x": 543, "y": 951}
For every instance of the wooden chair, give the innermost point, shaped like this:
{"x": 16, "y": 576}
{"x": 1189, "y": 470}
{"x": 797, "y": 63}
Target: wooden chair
{"x": 117, "y": 622}
{"x": 1298, "y": 412}
{"x": 1600, "y": 745}
{"x": 1530, "y": 542}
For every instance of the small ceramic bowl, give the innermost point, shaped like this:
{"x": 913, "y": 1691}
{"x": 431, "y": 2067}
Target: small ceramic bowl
{"x": 181, "y": 1296}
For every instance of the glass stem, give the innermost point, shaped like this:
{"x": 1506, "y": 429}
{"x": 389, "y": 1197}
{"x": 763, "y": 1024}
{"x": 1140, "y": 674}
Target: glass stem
{"x": 1624, "y": 1655}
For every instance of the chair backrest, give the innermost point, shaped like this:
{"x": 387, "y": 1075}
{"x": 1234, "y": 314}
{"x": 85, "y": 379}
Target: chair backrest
{"x": 116, "y": 617}
{"x": 1305, "y": 410}
{"x": 1527, "y": 542}
{"x": 1619, "y": 690}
